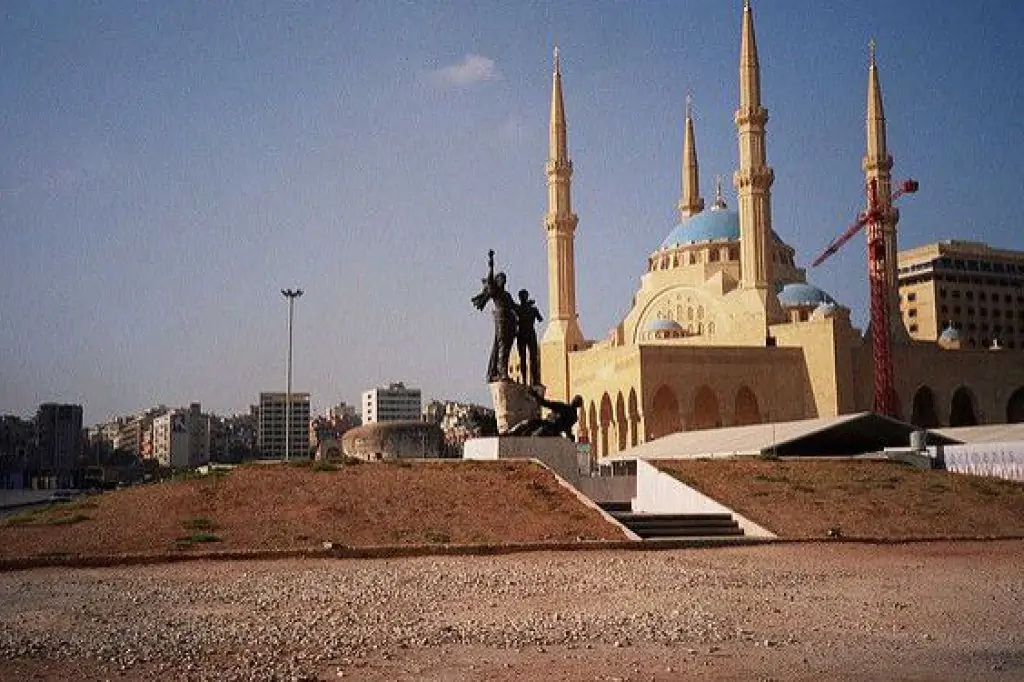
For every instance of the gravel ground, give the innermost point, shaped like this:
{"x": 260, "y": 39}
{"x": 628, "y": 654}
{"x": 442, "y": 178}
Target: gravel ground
{"x": 773, "y": 612}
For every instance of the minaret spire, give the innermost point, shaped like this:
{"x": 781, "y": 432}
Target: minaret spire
{"x": 877, "y": 167}
{"x": 563, "y": 331}
{"x": 691, "y": 202}
{"x": 753, "y": 178}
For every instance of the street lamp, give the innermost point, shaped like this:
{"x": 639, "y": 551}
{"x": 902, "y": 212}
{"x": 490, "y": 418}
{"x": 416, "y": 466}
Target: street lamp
{"x": 291, "y": 295}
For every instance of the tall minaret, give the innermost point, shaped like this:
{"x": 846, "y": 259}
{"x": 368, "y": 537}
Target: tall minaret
{"x": 878, "y": 168}
{"x": 563, "y": 331}
{"x": 754, "y": 178}
{"x": 690, "y": 203}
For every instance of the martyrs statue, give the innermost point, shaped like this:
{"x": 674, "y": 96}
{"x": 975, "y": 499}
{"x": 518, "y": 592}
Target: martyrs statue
{"x": 503, "y": 309}
{"x": 560, "y": 421}
{"x": 527, "y": 315}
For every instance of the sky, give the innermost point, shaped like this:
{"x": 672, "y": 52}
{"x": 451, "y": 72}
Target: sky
{"x": 167, "y": 168}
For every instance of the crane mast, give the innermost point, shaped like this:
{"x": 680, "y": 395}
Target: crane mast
{"x": 881, "y": 348}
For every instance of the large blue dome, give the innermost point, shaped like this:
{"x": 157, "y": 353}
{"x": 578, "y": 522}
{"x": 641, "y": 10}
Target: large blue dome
{"x": 712, "y": 225}
{"x": 802, "y": 294}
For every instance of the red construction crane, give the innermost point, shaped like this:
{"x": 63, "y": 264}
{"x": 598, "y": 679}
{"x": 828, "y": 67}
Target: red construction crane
{"x": 885, "y": 393}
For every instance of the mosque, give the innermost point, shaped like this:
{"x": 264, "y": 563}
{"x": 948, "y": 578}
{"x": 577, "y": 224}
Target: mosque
{"x": 725, "y": 329}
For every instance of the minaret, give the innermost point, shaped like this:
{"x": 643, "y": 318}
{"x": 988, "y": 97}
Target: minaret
{"x": 753, "y": 178}
{"x": 877, "y": 166}
{"x": 690, "y": 203}
{"x": 563, "y": 331}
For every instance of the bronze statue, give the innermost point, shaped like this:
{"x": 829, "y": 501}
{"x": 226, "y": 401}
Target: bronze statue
{"x": 527, "y": 315}
{"x": 503, "y": 309}
{"x": 559, "y": 423}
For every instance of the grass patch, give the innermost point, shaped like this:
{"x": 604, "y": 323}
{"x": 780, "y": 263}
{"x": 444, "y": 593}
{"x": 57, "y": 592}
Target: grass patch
{"x": 767, "y": 478}
{"x": 320, "y": 465}
{"x": 195, "y": 538}
{"x": 67, "y": 520}
{"x": 800, "y": 487}
{"x": 437, "y": 537}
{"x": 199, "y": 524}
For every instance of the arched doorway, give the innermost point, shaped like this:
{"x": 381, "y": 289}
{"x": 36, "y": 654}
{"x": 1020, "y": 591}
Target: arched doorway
{"x": 634, "y": 419}
{"x": 606, "y": 420}
{"x": 595, "y": 432}
{"x": 706, "y": 414}
{"x": 664, "y": 413}
{"x": 621, "y": 427}
{"x": 1015, "y": 407}
{"x": 924, "y": 413}
{"x": 961, "y": 410}
{"x": 747, "y": 411}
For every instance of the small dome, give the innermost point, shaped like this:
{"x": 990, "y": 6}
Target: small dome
{"x": 950, "y": 335}
{"x": 825, "y": 311}
{"x": 799, "y": 294}
{"x": 663, "y": 326}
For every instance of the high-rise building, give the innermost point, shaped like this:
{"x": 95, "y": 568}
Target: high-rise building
{"x": 964, "y": 286}
{"x": 272, "y": 417}
{"x": 181, "y": 438}
{"x": 58, "y": 437}
{"x": 394, "y": 403}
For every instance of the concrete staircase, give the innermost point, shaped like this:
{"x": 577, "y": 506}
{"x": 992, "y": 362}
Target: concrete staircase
{"x": 659, "y": 526}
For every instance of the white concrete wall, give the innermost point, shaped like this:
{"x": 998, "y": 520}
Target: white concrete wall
{"x": 1002, "y": 460}
{"x": 558, "y": 454}
{"x": 659, "y": 493}
{"x": 609, "y": 488}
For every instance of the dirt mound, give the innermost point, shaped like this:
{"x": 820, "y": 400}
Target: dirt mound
{"x": 862, "y": 499}
{"x": 282, "y": 506}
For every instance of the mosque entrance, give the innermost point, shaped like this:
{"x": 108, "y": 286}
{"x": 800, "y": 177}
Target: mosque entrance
{"x": 924, "y": 414}
{"x": 961, "y": 411}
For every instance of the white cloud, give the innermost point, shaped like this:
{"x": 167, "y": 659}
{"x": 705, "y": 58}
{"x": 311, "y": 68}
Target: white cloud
{"x": 471, "y": 70}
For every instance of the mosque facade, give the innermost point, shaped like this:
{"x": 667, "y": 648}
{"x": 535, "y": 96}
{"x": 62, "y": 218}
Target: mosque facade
{"x": 725, "y": 328}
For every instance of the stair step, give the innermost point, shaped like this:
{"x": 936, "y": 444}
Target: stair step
{"x": 619, "y": 507}
{"x": 704, "y": 518}
{"x": 681, "y": 523}
{"x": 686, "y": 532}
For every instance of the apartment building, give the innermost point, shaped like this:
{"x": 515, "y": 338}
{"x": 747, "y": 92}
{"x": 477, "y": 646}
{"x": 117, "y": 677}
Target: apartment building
{"x": 396, "y": 402}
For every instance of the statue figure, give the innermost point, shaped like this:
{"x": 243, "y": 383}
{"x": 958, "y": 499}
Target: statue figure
{"x": 559, "y": 423}
{"x": 527, "y": 315}
{"x": 503, "y": 309}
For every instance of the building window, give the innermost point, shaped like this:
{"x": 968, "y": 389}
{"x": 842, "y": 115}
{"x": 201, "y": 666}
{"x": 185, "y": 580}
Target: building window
{"x": 912, "y": 312}
{"x": 911, "y": 297}
{"x": 956, "y": 293}
{"x": 981, "y": 296}
{"x": 942, "y": 292}
{"x": 969, "y": 295}
{"x": 913, "y": 329}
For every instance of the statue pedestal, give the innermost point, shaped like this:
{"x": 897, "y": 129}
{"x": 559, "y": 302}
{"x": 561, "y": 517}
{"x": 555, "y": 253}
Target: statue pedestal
{"x": 513, "y": 403}
{"x": 559, "y": 454}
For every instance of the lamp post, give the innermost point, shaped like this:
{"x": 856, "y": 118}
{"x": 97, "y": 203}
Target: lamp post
{"x": 291, "y": 295}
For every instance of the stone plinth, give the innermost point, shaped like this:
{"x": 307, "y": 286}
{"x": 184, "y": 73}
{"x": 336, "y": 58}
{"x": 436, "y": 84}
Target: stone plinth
{"x": 513, "y": 403}
{"x": 559, "y": 454}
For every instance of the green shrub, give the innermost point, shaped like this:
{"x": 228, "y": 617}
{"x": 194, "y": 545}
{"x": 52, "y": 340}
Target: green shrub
{"x": 199, "y": 524}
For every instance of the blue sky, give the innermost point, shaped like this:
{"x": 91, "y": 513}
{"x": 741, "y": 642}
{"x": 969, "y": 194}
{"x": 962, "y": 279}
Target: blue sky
{"x": 167, "y": 168}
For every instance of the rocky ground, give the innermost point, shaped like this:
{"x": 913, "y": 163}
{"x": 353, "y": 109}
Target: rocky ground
{"x": 921, "y": 611}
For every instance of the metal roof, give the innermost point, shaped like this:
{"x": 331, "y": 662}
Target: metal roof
{"x": 987, "y": 433}
{"x": 847, "y": 434}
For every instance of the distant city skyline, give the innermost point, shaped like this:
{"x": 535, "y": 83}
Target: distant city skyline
{"x": 168, "y": 169}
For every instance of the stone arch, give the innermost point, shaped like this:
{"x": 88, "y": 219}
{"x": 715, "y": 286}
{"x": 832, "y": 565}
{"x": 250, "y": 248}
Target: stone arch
{"x": 923, "y": 412}
{"x": 634, "y": 419}
{"x": 706, "y": 413}
{"x": 664, "y": 413}
{"x": 621, "y": 426}
{"x": 605, "y": 417}
{"x": 582, "y": 434}
{"x": 1015, "y": 407}
{"x": 962, "y": 410}
{"x": 594, "y": 431}
{"x": 747, "y": 410}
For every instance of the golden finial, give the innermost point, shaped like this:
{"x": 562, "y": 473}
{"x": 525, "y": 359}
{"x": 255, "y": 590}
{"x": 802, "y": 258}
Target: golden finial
{"x": 719, "y": 199}
{"x": 871, "y": 52}
{"x": 689, "y": 105}
{"x": 556, "y": 59}
{"x": 746, "y": 5}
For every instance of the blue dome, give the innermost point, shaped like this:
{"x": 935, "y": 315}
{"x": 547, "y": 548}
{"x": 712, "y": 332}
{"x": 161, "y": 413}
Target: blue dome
{"x": 663, "y": 326}
{"x": 801, "y": 294}
{"x": 712, "y": 225}
{"x": 950, "y": 334}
